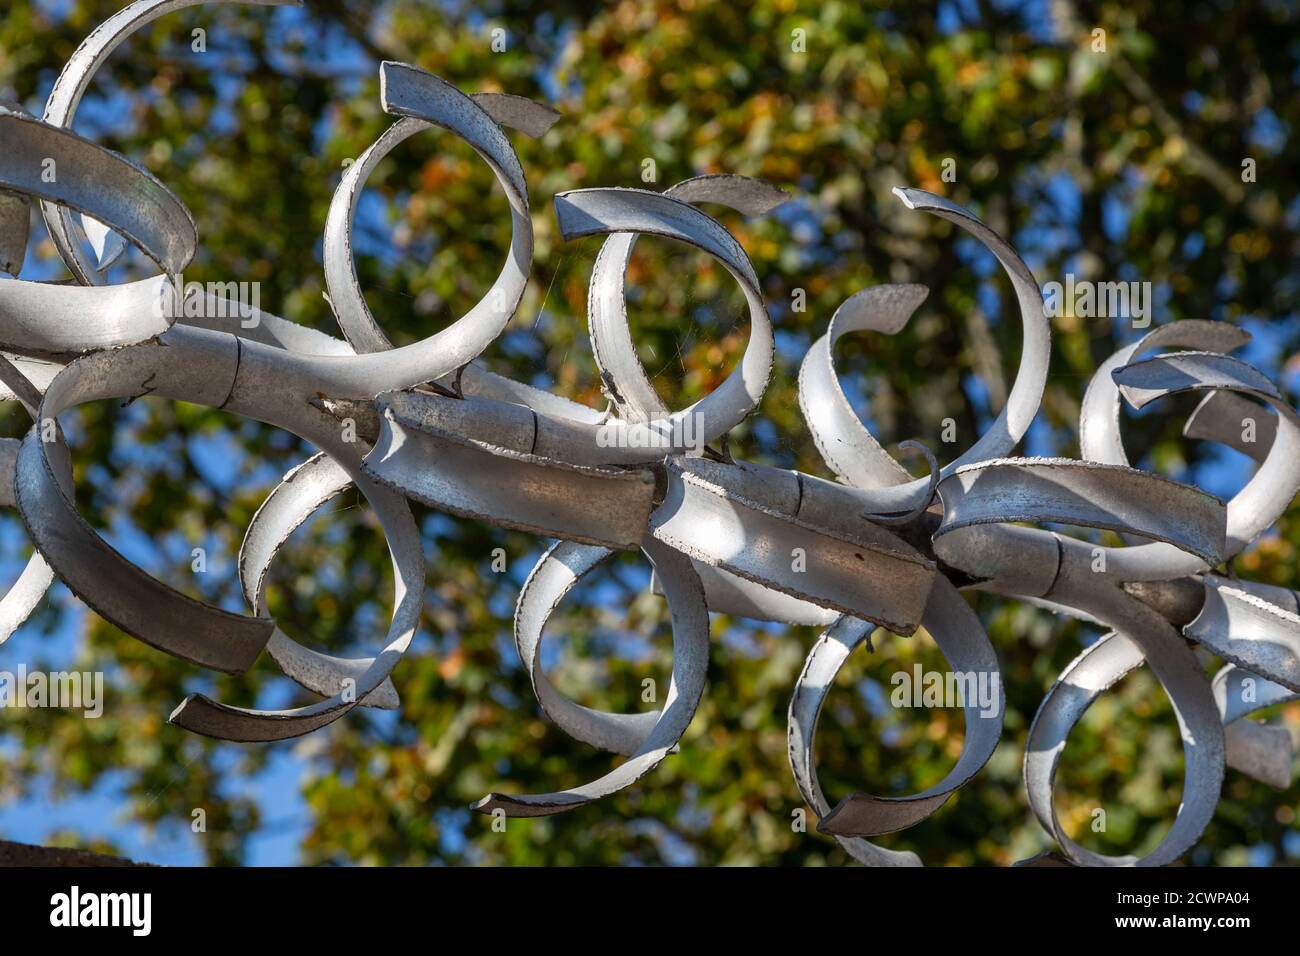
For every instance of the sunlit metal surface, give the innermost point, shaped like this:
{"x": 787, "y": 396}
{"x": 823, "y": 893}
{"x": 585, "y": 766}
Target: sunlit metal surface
{"x": 428, "y": 423}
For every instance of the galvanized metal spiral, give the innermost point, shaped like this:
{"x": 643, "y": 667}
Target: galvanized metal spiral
{"x": 433, "y": 425}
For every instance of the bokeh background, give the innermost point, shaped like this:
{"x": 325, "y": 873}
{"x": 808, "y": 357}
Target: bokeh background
{"x": 1116, "y": 165}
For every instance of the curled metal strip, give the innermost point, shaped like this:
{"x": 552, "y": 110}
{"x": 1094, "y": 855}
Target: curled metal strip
{"x": 15, "y": 217}
{"x": 1090, "y": 674}
{"x": 15, "y": 220}
{"x": 819, "y": 670}
{"x": 1265, "y": 497}
{"x": 37, "y": 373}
{"x": 554, "y": 575}
{"x": 739, "y": 538}
{"x": 1053, "y": 495}
{"x": 727, "y": 593}
{"x": 847, "y": 446}
{"x": 201, "y": 714}
{"x": 747, "y": 196}
{"x": 446, "y": 454}
{"x": 110, "y": 584}
{"x": 961, "y": 638}
{"x": 690, "y": 666}
{"x": 27, "y": 391}
{"x": 98, "y": 182}
{"x": 781, "y": 530}
{"x": 895, "y": 506}
{"x": 1250, "y": 632}
{"x": 220, "y": 314}
{"x": 1089, "y": 494}
{"x": 49, "y": 319}
{"x": 304, "y": 489}
{"x": 27, "y": 592}
{"x": 527, "y": 116}
{"x": 1100, "y": 437}
{"x": 8, "y": 459}
{"x": 588, "y": 212}
{"x": 249, "y": 395}
{"x": 1036, "y": 349}
{"x": 1262, "y": 751}
{"x": 1022, "y": 402}
{"x": 107, "y": 245}
{"x": 1285, "y": 598}
{"x": 1237, "y": 694}
{"x": 626, "y": 384}
{"x": 1237, "y": 422}
{"x": 40, "y": 318}
{"x": 476, "y": 380}
{"x": 1144, "y": 633}
{"x": 203, "y": 367}
{"x": 64, "y": 320}
{"x": 424, "y": 101}
{"x": 61, "y": 107}
{"x": 1099, "y": 432}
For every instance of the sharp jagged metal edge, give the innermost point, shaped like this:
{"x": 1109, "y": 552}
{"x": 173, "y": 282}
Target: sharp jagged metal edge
{"x": 431, "y": 423}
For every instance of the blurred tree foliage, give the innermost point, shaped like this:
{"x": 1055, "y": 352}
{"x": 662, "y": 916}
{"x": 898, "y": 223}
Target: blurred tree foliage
{"x": 1123, "y": 164}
